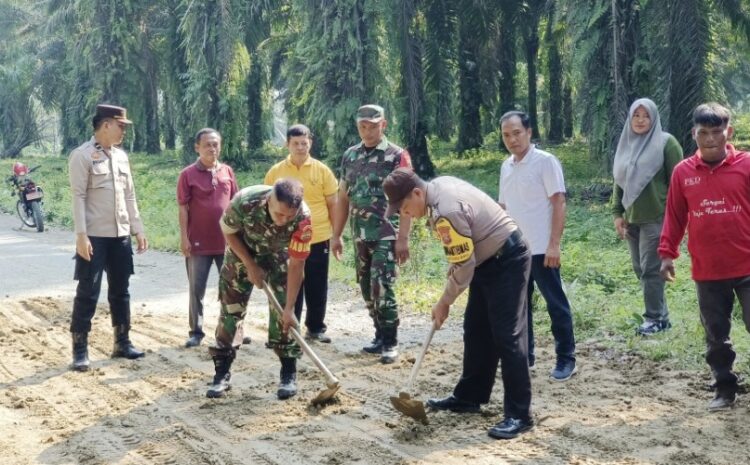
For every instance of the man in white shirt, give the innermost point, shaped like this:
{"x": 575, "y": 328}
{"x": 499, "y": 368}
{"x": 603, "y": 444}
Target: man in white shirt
{"x": 532, "y": 191}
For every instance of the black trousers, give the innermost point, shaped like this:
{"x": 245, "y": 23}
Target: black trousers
{"x": 495, "y": 331}
{"x": 549, "y": 283}
{"x": 113, "y": 255}
{"x": 314, "y": 291}
{"x": 716, "y": 301}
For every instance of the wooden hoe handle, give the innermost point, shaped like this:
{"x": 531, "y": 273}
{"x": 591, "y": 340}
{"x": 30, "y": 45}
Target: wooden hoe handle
{"x": 331, "y": 380}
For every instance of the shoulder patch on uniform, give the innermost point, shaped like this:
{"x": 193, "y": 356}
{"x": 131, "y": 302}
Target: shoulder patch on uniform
{"x": 299, "y": 245}
{"x": 458, "y": 248}
{"x": 306, "y": 234}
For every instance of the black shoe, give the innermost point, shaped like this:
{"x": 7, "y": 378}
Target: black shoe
{"x": 319, "y": 337}
{"x": 288, "y": 375}
{"x": 375, "y": 347}
{"x": 389, "y": 354}
{"x": 510, "y": 428}
{"x": 193, "y": 341}
{"x": 220, "y": 386}
{"x": 123, "y": 347}
{"x": 453, "y": 404}
{"x": 722, "y": 401}
{"x": 80, "y": 352}
{"x": 246, "y": 340}
{"x": 287, "y": 386}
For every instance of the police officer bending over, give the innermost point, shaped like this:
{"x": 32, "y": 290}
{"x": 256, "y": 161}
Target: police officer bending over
{"x": 488, "y": 255}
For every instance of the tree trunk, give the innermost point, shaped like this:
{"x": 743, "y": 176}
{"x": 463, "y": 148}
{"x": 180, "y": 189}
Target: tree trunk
{"x": 370, "y": 59}
{"x": 211, "y": 53}
{"x": 469, "y": 127}
{"x": 507, "y": 58}
{"x": 686, "y": 72}
{"x": 555, "y": 78}
{"x": 168, "y": 112}
{"x": 254, "y": 88}
{"x": 531, "y": 42}
{"x": 439, "y": 79}
{"x": 151, "y": 104}
{"x": 176, "y": 79}
{"x": 567, "y": 111}
{"x": 412, "y": 89}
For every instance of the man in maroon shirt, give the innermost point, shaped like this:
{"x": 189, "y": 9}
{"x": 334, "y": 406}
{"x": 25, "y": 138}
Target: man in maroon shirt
{"x": 204, "y": 190}
{"x": 709, "y": 194}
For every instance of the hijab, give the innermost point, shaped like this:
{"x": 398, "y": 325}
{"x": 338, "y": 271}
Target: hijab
{"x": 639, "y": 156}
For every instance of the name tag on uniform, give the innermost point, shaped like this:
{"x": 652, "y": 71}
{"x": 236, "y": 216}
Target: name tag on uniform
{"x": 457, "y": 248}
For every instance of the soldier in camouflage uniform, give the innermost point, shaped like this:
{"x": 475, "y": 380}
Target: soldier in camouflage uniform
{"x": 268, "y": 232}
{"x": 379, "y": 242}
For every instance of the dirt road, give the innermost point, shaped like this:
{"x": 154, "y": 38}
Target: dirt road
{"x": 618, "y": 410}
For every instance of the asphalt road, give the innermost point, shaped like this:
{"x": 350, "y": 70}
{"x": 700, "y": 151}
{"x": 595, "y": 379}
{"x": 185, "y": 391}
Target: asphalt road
{"x": 33, "y": 263}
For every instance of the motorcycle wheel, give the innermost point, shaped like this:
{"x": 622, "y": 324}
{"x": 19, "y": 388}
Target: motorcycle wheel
{"x": 36, "y": 210}
{"x": 26, "y": 219}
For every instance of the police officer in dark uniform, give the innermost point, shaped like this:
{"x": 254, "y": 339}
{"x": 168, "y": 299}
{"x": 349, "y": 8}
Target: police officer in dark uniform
{"x": 488, "y": 255}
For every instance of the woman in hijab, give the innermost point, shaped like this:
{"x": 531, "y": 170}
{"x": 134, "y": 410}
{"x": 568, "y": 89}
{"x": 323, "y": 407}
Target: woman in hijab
{"x": 643, "y": 165}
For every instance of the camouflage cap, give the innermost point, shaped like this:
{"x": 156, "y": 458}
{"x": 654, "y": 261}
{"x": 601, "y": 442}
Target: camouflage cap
{"x": 118, "y": 114}
{"x": 397, "y": 186}
{"x": 371, "y": 113}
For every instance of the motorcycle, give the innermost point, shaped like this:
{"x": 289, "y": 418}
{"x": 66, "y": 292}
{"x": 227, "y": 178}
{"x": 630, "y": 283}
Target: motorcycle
{"x": 30, "y": 195}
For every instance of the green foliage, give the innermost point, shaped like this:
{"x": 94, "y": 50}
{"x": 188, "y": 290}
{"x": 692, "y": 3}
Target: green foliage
{"x": 18, "y": 109}
{"x": 217, "y": 64}
{"x": 741, "y": 138}
{"x": 601, "y": 116}
{"x": 681, "y": 67}
{"x": 436, "y": 66}
{"x": 440, "y": 66}
{"x": 334, "y": 68}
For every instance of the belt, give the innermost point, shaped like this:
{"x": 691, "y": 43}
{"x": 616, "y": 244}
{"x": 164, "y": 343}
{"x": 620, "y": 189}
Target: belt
{"x": 510, "y": 243}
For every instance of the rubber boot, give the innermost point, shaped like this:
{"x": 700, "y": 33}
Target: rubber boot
{"x": 80, "y": 351}
{"x": 123, "y": 346}
{"x": 389, "y": 353}
{"x": 220, "y": 386}
{"x": 376, "y": 345}
{"x": 288, "y": 384}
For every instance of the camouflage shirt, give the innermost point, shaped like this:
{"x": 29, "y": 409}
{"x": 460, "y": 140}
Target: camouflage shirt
{"x": 248, "y": 215}
{"x": 364, "y": 173}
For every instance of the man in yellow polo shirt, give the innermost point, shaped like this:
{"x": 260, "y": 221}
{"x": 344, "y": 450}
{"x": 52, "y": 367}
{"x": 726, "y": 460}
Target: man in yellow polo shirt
{"x": 320, "y": 188}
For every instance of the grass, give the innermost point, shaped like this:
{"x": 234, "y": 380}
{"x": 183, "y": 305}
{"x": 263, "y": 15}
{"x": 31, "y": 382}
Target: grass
{"x": 605, "y": 296}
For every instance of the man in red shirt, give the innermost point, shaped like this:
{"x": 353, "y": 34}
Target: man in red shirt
{"x": 709, "y": 194}
{"x": 204, "y": 190}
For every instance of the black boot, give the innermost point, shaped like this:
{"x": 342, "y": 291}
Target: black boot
{"x": 80, "y": 351}
{"x": 220, "y": 386}
{"x": 376, "y": 345}
{"x": 288, "y": 384}
{"x": 389, "y": 352}
{"x": 123, "y": 346}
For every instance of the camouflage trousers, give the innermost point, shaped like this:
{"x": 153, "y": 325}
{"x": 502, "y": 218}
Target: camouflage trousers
{"x": 375, "y": 262}
{"x": 234, "y": 292}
